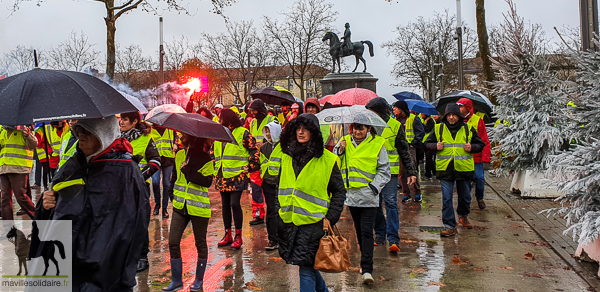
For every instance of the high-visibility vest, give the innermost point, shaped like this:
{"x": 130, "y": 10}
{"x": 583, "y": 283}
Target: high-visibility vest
{"x": 474, "y": 122}
{"x": 216, "y": 119}
{"x": 425, "y": 123}
{"x": 282, "y": 118}
{"x": 164, "y": 143}
{"x": 257, "y": 131}
{"x": 65, "y": 153}
{"x": 274, "y": 164}
{"x": 453, "y": 149}
{"x": 139, "y": 148}
{"x": 304, "y": 199}
{"x": 234, "y": 157}
{"x": 13, "y": 150}
{"x": 389, "y": 134}
{"x": 192, "y": 196}
{"x": 41, "y": 151}
{"x": 53, "y": 139}
{"x": 410, "y": 132}
{"x": 359, "y": 164}
{"x": 243, "y": 115}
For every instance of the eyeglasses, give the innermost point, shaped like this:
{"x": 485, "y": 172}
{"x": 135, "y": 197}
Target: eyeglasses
{"x": 81, "y": 130}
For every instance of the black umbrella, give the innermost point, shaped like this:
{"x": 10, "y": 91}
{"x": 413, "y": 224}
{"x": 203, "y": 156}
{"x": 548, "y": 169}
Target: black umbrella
{"x": 275, "y": 95}
{"x": 194, "y": 125}
{"x": 42, "y": 95}
{"x": 453, "y": 97}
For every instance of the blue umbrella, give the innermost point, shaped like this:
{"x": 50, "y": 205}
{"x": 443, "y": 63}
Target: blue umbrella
{"x": 405, "y": 95}
{"x": 421, "y": 107}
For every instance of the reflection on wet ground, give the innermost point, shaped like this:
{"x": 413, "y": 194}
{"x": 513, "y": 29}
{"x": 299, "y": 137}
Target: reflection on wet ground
{"x": 489, "y": 257}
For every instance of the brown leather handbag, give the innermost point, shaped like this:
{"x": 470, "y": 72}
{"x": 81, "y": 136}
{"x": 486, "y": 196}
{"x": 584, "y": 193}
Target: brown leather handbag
{"x": 332, "y": 256}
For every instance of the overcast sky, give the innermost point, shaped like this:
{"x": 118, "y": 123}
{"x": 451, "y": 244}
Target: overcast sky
{"x": 374, "y": 20}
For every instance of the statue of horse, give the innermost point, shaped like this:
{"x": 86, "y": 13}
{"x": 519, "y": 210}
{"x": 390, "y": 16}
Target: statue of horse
{"x": 45, "y": 249}
{"x": 17, "y": 237}
{"x": 336, "y": 51}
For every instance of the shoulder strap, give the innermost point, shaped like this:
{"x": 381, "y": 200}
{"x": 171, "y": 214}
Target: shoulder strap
{"x": 467, "y": 132}
{"x": 442, "y": 126}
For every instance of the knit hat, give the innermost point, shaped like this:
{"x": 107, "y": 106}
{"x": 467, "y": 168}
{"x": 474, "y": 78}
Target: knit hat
{"x": 401, "y": 104}
{"x": 453, "y": 108}
{"x": 105, "y": 129}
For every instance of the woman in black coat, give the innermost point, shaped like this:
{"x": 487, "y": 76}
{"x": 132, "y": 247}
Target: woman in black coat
{"x": 298, "y": 245}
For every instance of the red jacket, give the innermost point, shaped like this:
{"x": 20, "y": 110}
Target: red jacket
{"x": 485, "y": 155}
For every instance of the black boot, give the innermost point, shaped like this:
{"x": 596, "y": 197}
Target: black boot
{"x": 156, "y": 210}
{"x": 165, "y": 214}
{"x": 142, "y": 265}
{"x": 200, "y": 268}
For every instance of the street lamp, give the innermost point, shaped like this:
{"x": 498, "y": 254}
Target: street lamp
{"x": 459, "y": 32}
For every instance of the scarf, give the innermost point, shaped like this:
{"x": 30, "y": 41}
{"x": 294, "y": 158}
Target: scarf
{"x": 131, "y": 134}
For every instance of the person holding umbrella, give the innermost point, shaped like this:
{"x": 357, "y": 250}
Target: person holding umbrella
{"x": 414, "y": 135}
{"x": 193, "y": 176}
{"x": 148, "y": 158}
{"x": 366, "y": 171}
{"x": 16, "y": 161}
{"x": 232, "y": 165}
{"x": 399, "y": 157}
{"x": 455, "y": 142}
{"x": 102, "y": 191}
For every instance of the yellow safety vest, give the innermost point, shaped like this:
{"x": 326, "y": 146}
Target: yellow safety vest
{"x": 427, "y": 133}
{"x": 139, "y": 148}
{"x": 304, "y": 199}
{"x": 410, "y": 132}
{"x": 234, "y": 157}
{"x": 474, "y": 122}
{"x": 453, "y": 149}
{"x": 243, "y": 115}
{"x": 216, "y": 119}
{"x": 257, "y": 133}
{"x": 389, "y": 134}
{"x": 13, "y": 150}
{"x": 164, "y": 143}
{"x": 192, "y": 196}
{"x": 41, "y": 151}
{"x": 359, "y": 164}
{"x": 282, "y": 118}
{"x": 274, "y": 164}
{"x": 65, "y": 154}
{"x": 53, "y": 139}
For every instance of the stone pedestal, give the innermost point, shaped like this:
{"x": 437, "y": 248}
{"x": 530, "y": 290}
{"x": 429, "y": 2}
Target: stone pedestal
{"x": 332, "y": 83}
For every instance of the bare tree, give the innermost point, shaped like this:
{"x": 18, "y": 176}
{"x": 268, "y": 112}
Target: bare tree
{"x": 415, "y": 49}
{"x": 21, "y": 59}
{"x": 75, "y": 54}
{"x": 484, "y": 48}
{"x": 132, "y": 65}
{"x": 180, "y": 50}
{"x": 233, "y": 51}
{"x": 117, "y": 8}
{"x": 298, "y": 38}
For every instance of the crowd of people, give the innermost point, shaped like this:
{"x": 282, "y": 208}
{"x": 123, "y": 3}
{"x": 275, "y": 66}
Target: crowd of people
{"x": 99, "y": 173}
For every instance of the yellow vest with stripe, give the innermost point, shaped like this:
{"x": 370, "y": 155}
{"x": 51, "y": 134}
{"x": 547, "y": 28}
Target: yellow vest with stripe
{"x": 410, "y": 132}
{"x": 474, "y": 122}
{"x": 304, "y": 199}
{"x": 139, "y": 148}
{"x": 257, "y": 131}
{"x": 234, "y": 157}
{"x": 41, "y": 151}
{"x": 164, "y": 143}
{"x": 65, "y": 154}
{"x": 274, "y": 164}
{"x": 453, "y": 149}
{"x": 192, "y": 196}
{"x": 427, "y": 133}
{"x": 359, "y": 164}
{"x": 13, "y": 150}
{"x": 389, "y": 134}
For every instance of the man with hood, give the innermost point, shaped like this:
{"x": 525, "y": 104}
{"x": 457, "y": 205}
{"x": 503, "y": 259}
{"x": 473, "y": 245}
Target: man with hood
{"x": 399, "y": 157}
{"x": 455, "y": 142}
{"x": 475, "y": 121}
{"x": 102, "y": 191}
{"x": 261, "y": 119}
{"x": 271, "y": 133}
{"x": 414, "y": 135}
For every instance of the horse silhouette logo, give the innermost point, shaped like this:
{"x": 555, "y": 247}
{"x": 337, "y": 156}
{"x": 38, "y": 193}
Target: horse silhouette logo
{"x": 26, "y": 249}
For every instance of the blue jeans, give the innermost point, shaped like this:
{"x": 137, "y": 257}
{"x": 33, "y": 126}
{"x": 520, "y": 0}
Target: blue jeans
{"x": 389, "y": 195}
{"x": 311, "y": 280}
{"x": 463, "y": 188}
{"x": 479, "y": 181}
{"x": 166, "y": 183}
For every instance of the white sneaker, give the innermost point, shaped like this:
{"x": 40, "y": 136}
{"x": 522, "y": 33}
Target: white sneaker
{"x": 367, "y": 278}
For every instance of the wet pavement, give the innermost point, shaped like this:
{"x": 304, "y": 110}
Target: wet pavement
{"x": 502, "y": 253}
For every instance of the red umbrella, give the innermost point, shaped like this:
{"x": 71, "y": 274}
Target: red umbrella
{"x": 325, "y": 99}
{"x": 353, "y": 96}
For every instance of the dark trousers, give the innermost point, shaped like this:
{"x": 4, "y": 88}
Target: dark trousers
{"x": 178, "y": 224}
{"x": 404, "y": 179}
{"x": 38, "y": 172}
{"x": 166, "y": 184}
{"x": 430, "y": 162}
{"x": 463, "y": 190}
{"x": 364, "y": 218}
{"x": 146, "y": 244}
{"x": 270, "y": 192}
{"x": 17, "y": 184}
{"x": 231, "y": 205}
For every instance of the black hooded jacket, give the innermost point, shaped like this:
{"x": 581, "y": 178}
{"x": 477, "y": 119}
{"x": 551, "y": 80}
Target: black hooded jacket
{"x": 380, "y": 106}
{"x": 477, "y": 146}
{"x": 298, "y": 245}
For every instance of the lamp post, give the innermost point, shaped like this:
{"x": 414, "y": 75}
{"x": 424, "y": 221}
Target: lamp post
{"x": 459, "y": 32}
{"x": 588, "y": 10}
{"x": 161, "y": 54}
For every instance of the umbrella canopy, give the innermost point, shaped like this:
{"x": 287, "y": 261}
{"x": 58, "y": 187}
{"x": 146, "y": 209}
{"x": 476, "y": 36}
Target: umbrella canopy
{"x": 479, "y": 102}
{"x": 421, "y": 107}
{"x": 42, "y": 95}
{"x": 192, "y": 124}
{"x": 275, "y": 95}
{"x": 136, "y": 102}
{"x": 349, "y": 115}
{"x": 474, "y": 93}
{"x": 405, "y": 95}
{"x": 167, "y": 108}
{"x": 325, "y": 99}
{"x": 353, "y": 96}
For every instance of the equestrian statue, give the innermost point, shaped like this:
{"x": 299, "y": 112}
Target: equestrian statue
{"x": 338, "y": 49}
